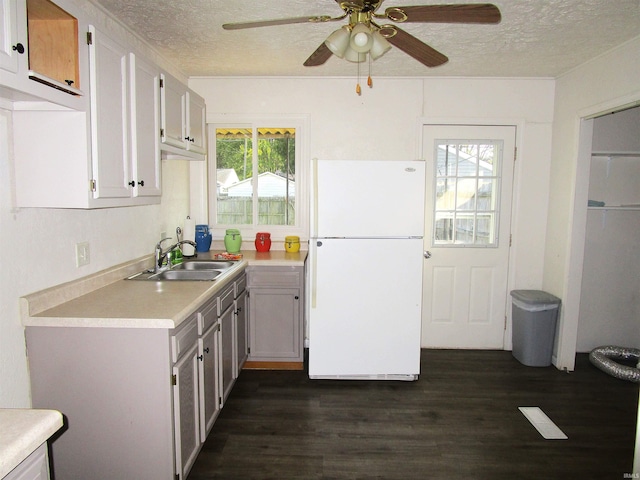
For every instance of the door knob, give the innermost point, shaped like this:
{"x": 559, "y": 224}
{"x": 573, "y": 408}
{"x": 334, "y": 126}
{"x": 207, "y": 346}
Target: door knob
{"x": 427, "y": 254}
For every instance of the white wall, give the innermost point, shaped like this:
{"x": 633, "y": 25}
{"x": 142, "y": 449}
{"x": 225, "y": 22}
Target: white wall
{"x": 385, "y": 123}
{"x": 602, "y": 84}
{"x": 38, "y": 251}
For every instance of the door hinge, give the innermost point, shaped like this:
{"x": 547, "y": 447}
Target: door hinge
{"x": 92, "y": 185}
{"x": 174, "y": 380}
{"x": 162, "y": 83}
{"x": 510, "y": 239}
{"x": 515, "y": 153}
{"x": 162, "y": 132}
{"x": 219, "y": 401}
{"x": 89, "y": 38}
{"x": 177, "y": 477}
{"x": 248, "y": 349}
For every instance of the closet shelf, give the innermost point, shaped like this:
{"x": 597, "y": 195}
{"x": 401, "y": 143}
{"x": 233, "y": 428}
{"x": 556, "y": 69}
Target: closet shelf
{"x": 616, "y": 207}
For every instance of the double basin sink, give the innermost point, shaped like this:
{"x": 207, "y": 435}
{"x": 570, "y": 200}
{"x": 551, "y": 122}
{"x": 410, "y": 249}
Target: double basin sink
{"x": 194, "y": 270}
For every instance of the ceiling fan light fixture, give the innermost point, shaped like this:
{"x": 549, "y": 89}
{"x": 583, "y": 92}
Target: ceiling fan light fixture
{"x": 338, "y": 41}
{"x": 361, "y": 38}
{"x": 380, "y": 45}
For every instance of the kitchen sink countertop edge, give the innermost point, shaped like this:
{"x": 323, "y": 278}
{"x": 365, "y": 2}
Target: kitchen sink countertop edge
{"x": 22, "y": 431}
{"x": 121, "y": 303}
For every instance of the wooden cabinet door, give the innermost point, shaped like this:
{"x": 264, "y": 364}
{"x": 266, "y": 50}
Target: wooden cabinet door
{"x": 275, "y": 324}
{"x": 209, "y": 356}
{"x": 145, "y": 128}
{"x": 241, "y": 331}
{"x": 186, "y": 411}
{"x": 108, "y": 78}
{"x": 173, "y": 111}
{"x": 228, "y": 351}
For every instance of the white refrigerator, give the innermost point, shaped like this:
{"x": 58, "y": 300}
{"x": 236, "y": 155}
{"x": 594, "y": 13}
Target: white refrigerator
{"x": 365, "y": 269}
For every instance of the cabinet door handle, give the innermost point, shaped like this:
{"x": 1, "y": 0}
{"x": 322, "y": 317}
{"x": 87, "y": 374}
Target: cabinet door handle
{"x": 18, "y": 47}
{"x": 141, "y": 183}
{"x": 131, "y": 183}
{"x": 201, "y": 357}
{"x": 206, "y": 350}
{"x": 296, "y": 297}
{"x": 69, "y": 82}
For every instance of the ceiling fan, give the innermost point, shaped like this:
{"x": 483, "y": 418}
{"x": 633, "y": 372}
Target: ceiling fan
{"x": 363, "y": 35}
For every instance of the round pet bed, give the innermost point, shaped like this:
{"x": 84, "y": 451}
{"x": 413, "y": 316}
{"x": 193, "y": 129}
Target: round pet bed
{"x": 605, "y": 358}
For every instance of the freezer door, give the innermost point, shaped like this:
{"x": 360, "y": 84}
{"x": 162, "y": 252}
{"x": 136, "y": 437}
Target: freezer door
{"x": 365, "y": 307}
{"x": 368, "y": 198}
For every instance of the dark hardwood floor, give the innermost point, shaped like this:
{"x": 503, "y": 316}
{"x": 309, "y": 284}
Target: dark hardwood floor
{"x": 459, "y": 420}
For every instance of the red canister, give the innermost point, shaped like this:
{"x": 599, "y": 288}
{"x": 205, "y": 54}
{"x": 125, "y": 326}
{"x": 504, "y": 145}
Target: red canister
{"x": 263, "y": 241}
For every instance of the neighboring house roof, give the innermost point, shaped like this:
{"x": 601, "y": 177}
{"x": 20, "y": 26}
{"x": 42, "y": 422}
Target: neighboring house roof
{"x": 226, "y": 177}
{"x": 269, "y": 185}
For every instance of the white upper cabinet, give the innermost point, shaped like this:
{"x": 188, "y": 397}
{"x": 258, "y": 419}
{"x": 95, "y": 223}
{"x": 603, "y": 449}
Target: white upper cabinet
{"x": 108, "y": 78}
{"x": 9, "y": 48}
{"x": 182, "y": 119}
{"x": 196, "y": 126}
{"x": 145, "y": 127}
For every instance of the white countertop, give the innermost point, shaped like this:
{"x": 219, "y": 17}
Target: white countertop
{"x": 22, "y": 431}
{"x": 120, "y": 303}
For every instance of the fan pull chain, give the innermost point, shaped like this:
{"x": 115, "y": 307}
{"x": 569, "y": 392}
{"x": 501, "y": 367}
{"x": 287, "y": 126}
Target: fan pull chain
{"x": 358, "y": 89}
{"x": 369, "y": 80}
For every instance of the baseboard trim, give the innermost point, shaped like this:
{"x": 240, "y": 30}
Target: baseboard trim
{"x": 253, "y": 365}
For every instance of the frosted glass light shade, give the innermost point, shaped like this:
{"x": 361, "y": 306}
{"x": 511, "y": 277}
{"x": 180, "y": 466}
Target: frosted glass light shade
{"x": 353, "y": 56}
{"x": 338, "y": 41}
{"x": 361, "y": 38}
{"x": 380, "y": 46}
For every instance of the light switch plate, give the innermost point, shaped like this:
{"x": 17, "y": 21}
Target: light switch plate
{"x": 82, "y": 254}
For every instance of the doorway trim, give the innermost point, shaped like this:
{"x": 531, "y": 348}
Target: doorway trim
{"x": 565, "y": 354}
{"x": 520, "y": 125}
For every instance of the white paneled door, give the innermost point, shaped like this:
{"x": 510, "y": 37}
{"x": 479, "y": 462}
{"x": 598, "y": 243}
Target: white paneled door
{"x": 467, "y": 235}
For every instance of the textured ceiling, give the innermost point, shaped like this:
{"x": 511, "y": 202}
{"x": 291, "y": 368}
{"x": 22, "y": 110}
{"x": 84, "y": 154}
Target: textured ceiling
{"x": 536, "y": 38}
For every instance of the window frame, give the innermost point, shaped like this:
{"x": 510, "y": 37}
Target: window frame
{"x": 253, "y": 122}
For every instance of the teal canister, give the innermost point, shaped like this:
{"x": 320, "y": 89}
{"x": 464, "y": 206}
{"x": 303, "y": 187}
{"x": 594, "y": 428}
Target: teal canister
{"x": 232, "y": 240}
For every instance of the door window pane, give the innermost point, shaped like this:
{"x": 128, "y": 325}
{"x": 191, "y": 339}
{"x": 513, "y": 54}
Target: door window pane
{"x": 467, "y": 185}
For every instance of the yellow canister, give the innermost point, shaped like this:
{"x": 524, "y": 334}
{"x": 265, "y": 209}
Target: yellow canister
{"x": 292, "y": 243}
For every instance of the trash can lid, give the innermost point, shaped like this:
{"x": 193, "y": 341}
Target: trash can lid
{"x": 534, "y": 297}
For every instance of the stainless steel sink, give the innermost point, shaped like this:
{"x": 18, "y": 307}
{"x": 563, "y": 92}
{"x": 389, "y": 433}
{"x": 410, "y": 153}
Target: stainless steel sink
{"x": 186, "y": 275}
{"x": 203, "y": 265}
{"x": 193, "y": 270}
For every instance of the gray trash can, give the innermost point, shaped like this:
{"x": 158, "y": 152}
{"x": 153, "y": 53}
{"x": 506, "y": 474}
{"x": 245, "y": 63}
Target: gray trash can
{"x": 534, "y": 326}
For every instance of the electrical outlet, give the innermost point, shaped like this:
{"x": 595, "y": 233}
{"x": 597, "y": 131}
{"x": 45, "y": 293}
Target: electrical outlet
{"x": 82, "y": 254}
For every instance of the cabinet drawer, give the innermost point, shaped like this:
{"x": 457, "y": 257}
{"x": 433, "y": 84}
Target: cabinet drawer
{"x": 184, "y": 338}
{"x": 274, "y": 277}
{"x": 207, "y": 316}
{"x": 225, "y": 300}
{"x": 241, "y": 285}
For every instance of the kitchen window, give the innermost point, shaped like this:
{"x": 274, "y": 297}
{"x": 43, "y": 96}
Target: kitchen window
{"x": 256, "y": 179}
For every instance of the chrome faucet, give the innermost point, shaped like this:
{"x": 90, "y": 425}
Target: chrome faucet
{"x": 160, "y": 256}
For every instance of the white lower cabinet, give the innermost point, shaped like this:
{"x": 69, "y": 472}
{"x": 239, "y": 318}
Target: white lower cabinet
{"x": 186, "y": 396}
{"x": 34, "y": 467}
{"x": 210, "y": 378}
{"x": 225, "y": 317}
{"x": 139, "y": 401}
{"x": 276, "y": 312}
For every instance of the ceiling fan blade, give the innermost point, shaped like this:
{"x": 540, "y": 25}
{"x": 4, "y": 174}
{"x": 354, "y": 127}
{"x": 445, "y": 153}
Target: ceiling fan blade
{"x": 282, "y": 21}
{"x": 413, "y": 47}
{"x": 463, "y": 13}
{"x": 319, "y": 57}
